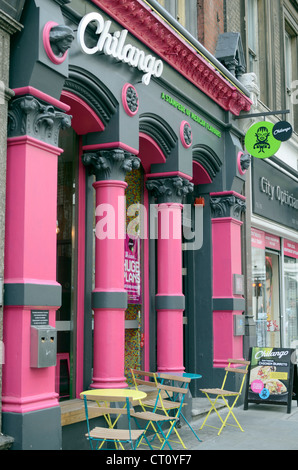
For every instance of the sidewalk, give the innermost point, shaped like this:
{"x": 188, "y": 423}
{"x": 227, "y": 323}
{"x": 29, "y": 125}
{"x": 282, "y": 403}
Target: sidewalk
{"x": 266, "y": 427}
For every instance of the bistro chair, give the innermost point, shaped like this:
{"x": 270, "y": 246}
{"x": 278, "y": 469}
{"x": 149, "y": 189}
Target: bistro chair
{"x": 222, "y": 393}
{"x": 161, "y": 405}
{"x": 100, "y": 435}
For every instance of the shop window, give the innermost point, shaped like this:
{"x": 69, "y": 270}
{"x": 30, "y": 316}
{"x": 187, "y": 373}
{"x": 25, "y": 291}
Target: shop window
{"x": 291, "y": 302}
{"x": 290, "y": 71}
{"x": 66, "y": 219}
{"x": 134, "y": 274}
{"x": 252, "y": 35}
{"x": 184, "y": 11}
{"x": 266, "y": 290}
{"x": 272, "y": 299}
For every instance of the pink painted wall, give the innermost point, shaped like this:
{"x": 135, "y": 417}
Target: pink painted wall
{"x": 30, "y": 257}
{"x": 226, "y": 241}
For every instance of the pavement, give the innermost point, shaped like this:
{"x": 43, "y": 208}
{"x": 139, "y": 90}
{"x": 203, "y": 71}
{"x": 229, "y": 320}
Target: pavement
{"x": 266, "y": 427}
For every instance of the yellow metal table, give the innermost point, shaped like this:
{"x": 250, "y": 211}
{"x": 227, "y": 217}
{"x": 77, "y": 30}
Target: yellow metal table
{"x": 103, "y": 398}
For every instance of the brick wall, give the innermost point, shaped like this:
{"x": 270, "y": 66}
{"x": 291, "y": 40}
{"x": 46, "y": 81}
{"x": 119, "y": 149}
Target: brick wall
{"x": 210, "y": 22}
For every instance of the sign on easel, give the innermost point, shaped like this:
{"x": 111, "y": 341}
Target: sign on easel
{"x": 271, "y": 377}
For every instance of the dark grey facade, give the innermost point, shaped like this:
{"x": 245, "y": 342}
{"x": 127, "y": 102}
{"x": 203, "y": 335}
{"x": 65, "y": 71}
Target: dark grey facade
{"x": 183, "y": 132}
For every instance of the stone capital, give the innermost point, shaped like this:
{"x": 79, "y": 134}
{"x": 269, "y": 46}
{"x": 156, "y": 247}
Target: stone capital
{"x": 112, "y": 164}
{"x": 30, "y": 116}
{"x": 227, "y": 205}
{"x": 169, "y": 190}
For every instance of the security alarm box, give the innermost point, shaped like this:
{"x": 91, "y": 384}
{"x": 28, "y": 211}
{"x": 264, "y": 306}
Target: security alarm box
{"x": 43, "y": 346}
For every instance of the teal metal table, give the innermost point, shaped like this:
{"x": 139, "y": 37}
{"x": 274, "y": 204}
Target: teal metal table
{"x": 175, "y": 397}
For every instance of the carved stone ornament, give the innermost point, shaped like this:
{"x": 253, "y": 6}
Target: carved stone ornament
{"x": 185, "y": 134}
{"x": 245, "y": 160}
{"x": 57, "y": 39}
{"x": 170, "y": 190}
{"x": 29, "y": 116}
{"x": 110, "y": 164}
{"x": 150, "y": 29}
{"x": 130, "y": 99}
{"x": 227, "y": 206}
{"x": 61, "y": 38}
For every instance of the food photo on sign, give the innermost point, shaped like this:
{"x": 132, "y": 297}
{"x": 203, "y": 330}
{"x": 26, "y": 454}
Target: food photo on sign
{"x": 271, "y": 376}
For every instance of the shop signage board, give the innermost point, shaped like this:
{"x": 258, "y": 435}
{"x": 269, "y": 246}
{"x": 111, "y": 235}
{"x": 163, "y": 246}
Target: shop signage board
{"x": 132, "y": 274}
{"x": 282, "y": 131}
{"x": 274, "y": 194}
{"x": 271, "y": 376}
{"x": 260, "y": 141}
{"x": 115, "y": 45}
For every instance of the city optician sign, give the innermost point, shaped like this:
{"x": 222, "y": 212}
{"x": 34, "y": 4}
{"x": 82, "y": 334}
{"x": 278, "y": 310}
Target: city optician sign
{"x": 274, "y": 194}
{"x": 113, "y": 44}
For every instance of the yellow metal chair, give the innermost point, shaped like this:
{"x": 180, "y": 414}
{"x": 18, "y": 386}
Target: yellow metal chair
{"x": 222, "y": 393}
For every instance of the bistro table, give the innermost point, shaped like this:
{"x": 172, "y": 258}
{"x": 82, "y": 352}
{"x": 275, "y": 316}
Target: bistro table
{"x": 189, "y": 375}
{"x": 101, "y": 393}
{"x": 105, "y": 396}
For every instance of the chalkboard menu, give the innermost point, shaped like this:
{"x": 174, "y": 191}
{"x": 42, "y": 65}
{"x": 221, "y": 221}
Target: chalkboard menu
{"x": 270, "y": 378}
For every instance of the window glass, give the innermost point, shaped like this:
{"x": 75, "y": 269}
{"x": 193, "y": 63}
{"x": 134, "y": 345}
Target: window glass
{"x": 291, "y": 302}
{"x": 184, "y": 11}
{"x": 272, "y": 300}
{"x": 265, "y": 292}
{"x": 258, "y": 295}
{"x": 66, "y": 220}
{"x": 252, "y": 34}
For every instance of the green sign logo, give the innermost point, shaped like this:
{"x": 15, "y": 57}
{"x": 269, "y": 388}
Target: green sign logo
{"x": 259, "y": 140}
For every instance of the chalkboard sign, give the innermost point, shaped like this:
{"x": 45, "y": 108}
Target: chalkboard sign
{"x": 271, "y": 375}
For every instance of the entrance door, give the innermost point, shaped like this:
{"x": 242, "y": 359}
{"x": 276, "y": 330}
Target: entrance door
{"x": 272, "y": 299}
{"x": 66, "y": 262}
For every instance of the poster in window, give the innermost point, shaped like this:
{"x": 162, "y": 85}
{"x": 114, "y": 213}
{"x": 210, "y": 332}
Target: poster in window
{"x": 132, "y": 274}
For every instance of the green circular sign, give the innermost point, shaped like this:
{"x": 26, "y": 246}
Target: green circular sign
{"x": 259, "y": 140}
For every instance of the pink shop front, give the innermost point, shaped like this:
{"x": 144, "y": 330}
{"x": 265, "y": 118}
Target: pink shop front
{"x": 111, "y": 145}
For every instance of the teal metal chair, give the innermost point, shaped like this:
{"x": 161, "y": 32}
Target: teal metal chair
{"x": 162, "y": 406}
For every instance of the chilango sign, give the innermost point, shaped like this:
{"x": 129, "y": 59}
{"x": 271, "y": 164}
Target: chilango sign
{"x": 271, "y": 376}
{"x": 113, "y": 44}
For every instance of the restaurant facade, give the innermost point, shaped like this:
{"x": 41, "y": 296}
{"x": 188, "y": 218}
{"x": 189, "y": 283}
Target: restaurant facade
{"x": 124, "y": 209}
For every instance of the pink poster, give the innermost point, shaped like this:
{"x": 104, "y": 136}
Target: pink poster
{"x": 290, "y": 249}
{"x": 272, "y": 241}
{"x": 132, "y": 273}
{"x": 257, "y": 238}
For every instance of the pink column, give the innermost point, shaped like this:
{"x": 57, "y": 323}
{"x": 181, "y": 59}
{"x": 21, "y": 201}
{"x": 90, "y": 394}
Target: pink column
{"x": 169, "y": 297}
{"x": 169, "y": 289}
{"x": 109, "y": 339}
{"x": 226, "y": 242}
{"x": 30, "y": 253}
{"x": 109, "y": 298}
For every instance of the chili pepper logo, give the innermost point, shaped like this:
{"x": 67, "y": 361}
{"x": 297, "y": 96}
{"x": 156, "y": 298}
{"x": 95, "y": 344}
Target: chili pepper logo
{"x": 262, "y": 136}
